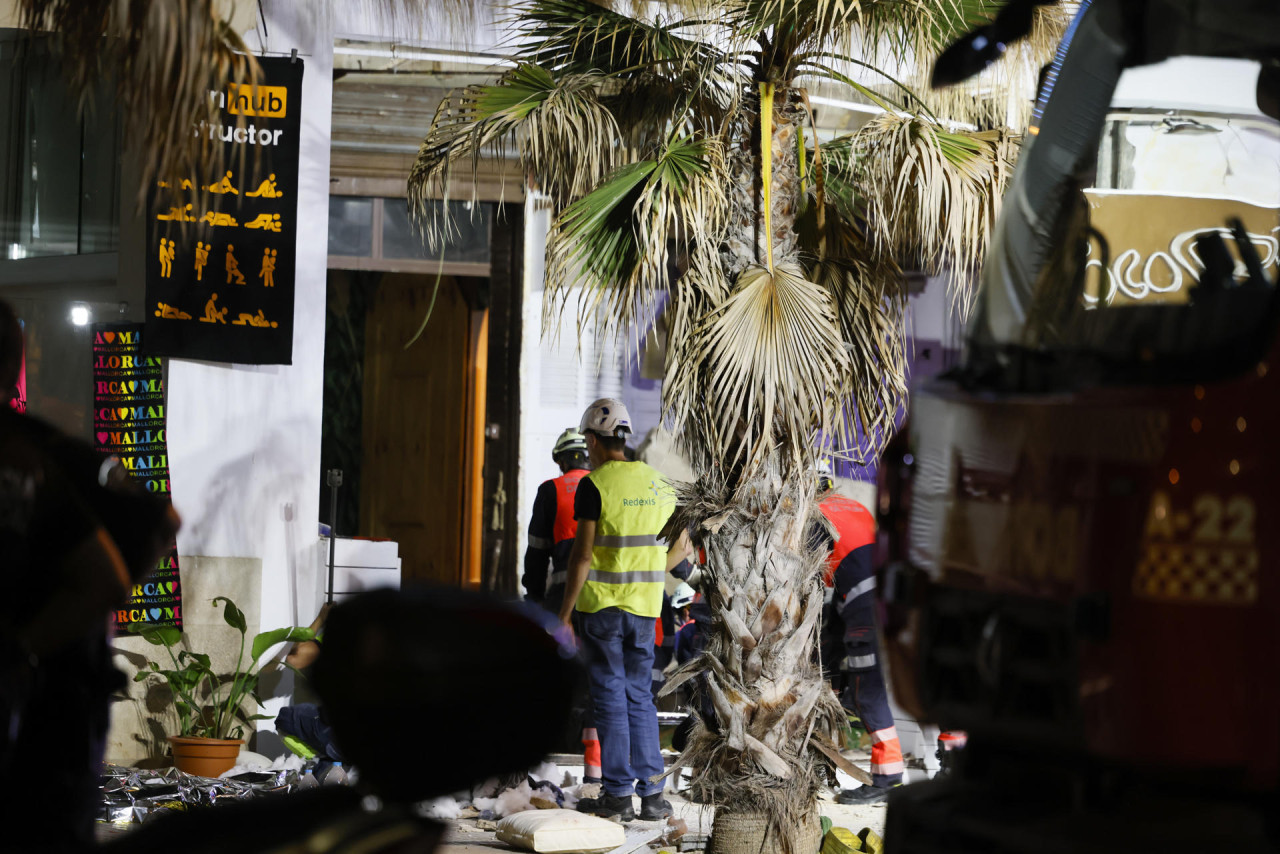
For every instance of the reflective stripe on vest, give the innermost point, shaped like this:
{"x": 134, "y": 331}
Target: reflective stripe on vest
{"x": 566, "y": 485}
{"x": 855, "y": 527}
{"x": 628, "y": 562}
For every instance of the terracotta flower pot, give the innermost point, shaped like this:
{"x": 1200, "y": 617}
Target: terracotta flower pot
{"x": 205, "y": 757}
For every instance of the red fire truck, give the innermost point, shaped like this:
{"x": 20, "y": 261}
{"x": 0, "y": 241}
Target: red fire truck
{"x": 1080, "y": 528}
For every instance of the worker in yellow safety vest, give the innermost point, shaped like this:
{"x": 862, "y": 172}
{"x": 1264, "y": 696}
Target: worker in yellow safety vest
{"x": 613, "y": 597}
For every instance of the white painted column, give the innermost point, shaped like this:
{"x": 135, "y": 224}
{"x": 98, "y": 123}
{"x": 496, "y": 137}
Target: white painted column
{"x": 244, "y": 441}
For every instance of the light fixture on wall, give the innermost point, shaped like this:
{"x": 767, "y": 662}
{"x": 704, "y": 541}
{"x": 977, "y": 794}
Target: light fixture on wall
{"x": 80, "y": 314}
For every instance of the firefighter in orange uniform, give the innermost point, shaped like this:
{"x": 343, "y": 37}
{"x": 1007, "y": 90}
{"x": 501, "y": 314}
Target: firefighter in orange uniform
{"x": 551, "y": 533}
{"x": 852, "y": 581}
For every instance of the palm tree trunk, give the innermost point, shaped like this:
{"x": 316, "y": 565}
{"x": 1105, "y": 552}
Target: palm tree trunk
{"x": 757, "y": 752}
{"x": 747, "y": 246}
{"x": 767, "y": 707}
{"x": 786, "y": 175}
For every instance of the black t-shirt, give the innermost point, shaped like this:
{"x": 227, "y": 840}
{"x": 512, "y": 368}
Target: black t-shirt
{"x": 586, "y": 502}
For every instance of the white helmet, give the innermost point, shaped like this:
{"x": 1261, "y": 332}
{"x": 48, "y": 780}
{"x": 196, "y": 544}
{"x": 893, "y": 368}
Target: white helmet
{"x": 570, "y": 441}
{"x": 608, "y": 417}
{"x": 682, "y": 596}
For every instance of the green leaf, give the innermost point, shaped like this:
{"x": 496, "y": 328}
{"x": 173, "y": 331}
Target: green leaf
{"x": 233, "y": 615}
{"x": 158, "y": 635}
{"x": 265, "y": 640}
{"x": 198, "y": 660}
{"x": 616, "y": 241}
{"x": 141, "y": 675}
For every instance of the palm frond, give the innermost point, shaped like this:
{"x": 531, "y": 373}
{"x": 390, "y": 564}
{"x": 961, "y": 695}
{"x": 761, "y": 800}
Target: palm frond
{"x": 163, "y": 57}
{"x": 932, "y": 195}
{"x": 561, "y": 131}
{"x": 794, "y": 21}
{"x": 867, "y": 290}
{"x": 578, "y": 36}
{"x": 616, "y": 242}
{"x": 769, "y": 367}
{"x": 918, "y": 31}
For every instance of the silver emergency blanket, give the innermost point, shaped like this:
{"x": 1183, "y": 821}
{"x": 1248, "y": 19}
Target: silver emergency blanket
{"x": 131, "y": 795}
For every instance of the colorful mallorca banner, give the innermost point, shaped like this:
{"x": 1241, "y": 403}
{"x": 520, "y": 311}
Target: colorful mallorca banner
{"x": 129, "y": 423}
{"x": 220, "y": 247}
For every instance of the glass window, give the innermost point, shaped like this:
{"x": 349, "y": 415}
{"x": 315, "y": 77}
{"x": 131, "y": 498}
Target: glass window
{"x": 472, "y": 223}
{"x": 350, "y": 226}
{"x": 59, "y": 167}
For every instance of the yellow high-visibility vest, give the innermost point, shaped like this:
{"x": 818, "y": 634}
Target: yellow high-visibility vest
{"x": 628, "y": 562}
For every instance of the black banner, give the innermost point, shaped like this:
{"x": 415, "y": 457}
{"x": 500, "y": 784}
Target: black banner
{"x": 129, "y": 424}
{"x": 220, "y": 262}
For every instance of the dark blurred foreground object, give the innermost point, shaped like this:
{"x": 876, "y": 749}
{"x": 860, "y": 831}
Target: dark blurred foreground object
{"x": 982, "y": 46}
{"x": 420, "y": 681}
{"x": 416, "y": 684}
{"x": 75, "y": 535}
{"x": 1078, "y": 545}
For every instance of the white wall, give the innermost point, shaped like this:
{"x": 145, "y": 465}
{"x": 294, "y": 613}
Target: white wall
{"x": 561, "y": 373}
{"x": 244, "y": 441}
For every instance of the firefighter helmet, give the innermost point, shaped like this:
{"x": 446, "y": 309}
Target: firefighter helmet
{"x": 606, "y": 417}
{"x": 570, "y": 442}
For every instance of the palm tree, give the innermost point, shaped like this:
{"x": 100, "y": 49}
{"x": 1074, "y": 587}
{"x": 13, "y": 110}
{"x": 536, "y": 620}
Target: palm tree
{"x": 683, "y": 162}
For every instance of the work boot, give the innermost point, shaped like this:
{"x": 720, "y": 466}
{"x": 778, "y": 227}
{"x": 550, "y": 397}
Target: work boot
{"x": 655, "y": 807}
{"x": 610, "y": 807}
{"x": 864, "y": 795}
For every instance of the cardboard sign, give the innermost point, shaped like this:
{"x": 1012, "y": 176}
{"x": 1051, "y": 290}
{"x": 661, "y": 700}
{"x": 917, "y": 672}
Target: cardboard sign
{"x": 129, "y": 423}
{"x": 220, "y": 262}
{"x": 1151, "y": 240}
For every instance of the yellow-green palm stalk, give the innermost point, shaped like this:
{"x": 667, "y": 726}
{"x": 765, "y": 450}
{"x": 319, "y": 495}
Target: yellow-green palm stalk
{"x": 680, "y": 157}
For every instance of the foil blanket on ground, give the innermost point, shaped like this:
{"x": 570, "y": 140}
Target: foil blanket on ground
{"x": 132, "y": 795}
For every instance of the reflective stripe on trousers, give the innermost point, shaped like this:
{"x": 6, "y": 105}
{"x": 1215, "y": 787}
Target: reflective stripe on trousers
{"x": 886, "y": 752}
{"x": 860, "y": 662}
{"x": 863, "y": 587}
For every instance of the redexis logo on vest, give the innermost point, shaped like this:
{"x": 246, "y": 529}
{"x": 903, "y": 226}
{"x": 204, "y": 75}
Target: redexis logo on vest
{"x": 639, "y": 502}
{"x": 264, "y": 101}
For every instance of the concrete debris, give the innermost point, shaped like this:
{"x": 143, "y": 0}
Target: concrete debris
{"x": 676, "y": 828}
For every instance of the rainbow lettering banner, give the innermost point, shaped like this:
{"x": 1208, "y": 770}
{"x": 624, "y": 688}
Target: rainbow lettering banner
{"x": 129, "y": 423}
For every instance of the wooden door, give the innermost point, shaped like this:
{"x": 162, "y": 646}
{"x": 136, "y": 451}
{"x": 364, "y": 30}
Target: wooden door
{"x": 417, "y": 426}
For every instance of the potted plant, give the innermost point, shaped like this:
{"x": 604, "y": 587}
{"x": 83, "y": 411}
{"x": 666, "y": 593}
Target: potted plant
{"x": 211, "y": 714}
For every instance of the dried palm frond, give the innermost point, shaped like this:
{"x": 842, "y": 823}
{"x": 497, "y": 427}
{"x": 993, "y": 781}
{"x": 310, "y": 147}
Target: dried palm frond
{"x": 163, "y": 57}
{"x": 770, "y": 368}
{"x": 1001, "y": 95}
{"x": 579, "y": 35}
{"x": 932, "y": 195}
{"x": 919, "y": 29}
{"x": 561, "y": 131}
{"x": 616, "y": 241}
{"x": 867, "y": 289}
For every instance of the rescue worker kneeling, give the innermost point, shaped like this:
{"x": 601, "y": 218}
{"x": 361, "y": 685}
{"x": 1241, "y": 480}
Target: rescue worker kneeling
{"x": 615, "y": 583}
